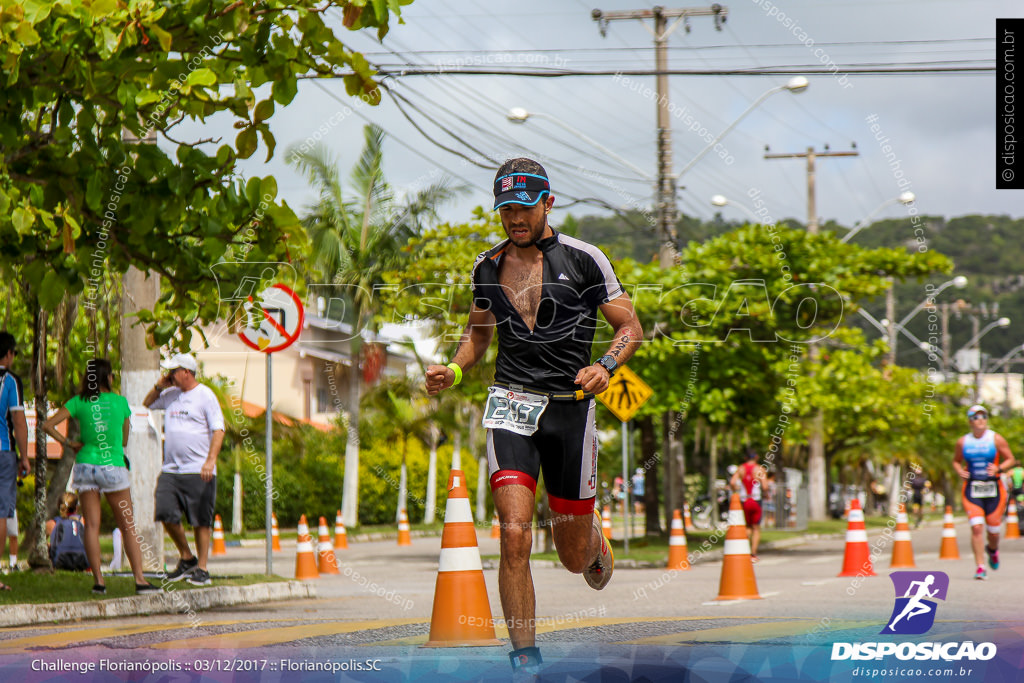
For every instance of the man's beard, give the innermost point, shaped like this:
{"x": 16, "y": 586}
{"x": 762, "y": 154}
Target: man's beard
{"x": 534, "y": 233}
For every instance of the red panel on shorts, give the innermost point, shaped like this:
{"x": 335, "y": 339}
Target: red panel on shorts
{"x": 571, "y": 507}
{"x": 506, "y": 477}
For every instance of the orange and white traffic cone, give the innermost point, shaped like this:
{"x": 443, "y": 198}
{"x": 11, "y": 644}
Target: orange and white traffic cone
{"x": 275, "y": 536}
{"x": 326, "y": 562}
{"x": 462, "y": 612}
{"x": 1012, "y": 522}
{"x": 218, "y": 547}
{"x": 856, "y": 557}
{"x": 846, "y": 510}
{"x": 902, "y": 550}
{"x": 305, "y": 560}
{"x": 737, "y": 581}
{"x": 948, "y": 550}
{"x": 687, "y": 522}
{"x": 340, "y": 537}
{"x": 403, "y": 529}
{"x": 606, "y": 522}
{"x": 677, "y": 556}
{"x": 495, "y": 526}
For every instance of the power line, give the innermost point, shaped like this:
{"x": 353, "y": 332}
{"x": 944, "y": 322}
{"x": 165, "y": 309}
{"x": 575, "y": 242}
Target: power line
{"x": 769, "y": 71}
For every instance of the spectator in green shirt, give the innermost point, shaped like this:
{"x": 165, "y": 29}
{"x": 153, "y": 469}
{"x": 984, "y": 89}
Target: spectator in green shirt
{"x": 104, "y": 420}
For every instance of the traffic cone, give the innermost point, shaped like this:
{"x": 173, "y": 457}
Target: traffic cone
{"x": 218, "y": 547}
{"x": 305, "y": 561}
{"x": 403, "y": 529}
{"x": 737, "y": 581}
{"x": 902, "y": 550}
{"x": 687, "y": 522}
{"x": 495, "y": 526}
{"x": 275, "y": 537}
{"x": 677, "y": 557}
{"x": 856, "y": 557}
{"x": 606, "y": 522}
{"x": 948, "y": 550}
{"x": 340, "y": 537}
{"x": 462, "y": 612}
{"x": 326, "y": 562}
{"x": 1012, "y": 522}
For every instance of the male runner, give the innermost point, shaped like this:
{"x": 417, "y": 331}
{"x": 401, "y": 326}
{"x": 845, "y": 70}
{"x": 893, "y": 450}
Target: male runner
{"x": 748, "y": 480}
{"x": 541, "y": 289}
{"x": 981, "y": 457}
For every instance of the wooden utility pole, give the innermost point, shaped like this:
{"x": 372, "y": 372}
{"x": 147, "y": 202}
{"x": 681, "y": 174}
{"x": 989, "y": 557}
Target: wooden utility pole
{"x": 817, "y": 482}
{"x": 667, "y": 213}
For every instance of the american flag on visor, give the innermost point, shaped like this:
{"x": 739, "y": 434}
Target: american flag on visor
{"x": 506, "y": 183}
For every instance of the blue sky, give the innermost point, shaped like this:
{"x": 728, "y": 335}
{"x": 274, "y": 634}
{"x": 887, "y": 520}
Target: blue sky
{"x": 940, "y": 128}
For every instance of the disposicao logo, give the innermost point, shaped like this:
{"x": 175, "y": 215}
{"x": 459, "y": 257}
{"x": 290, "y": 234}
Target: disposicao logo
{"x": 914, "y": 612}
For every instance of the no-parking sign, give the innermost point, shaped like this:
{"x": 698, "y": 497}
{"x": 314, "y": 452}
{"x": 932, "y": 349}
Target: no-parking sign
{"x": 274, "y": 321}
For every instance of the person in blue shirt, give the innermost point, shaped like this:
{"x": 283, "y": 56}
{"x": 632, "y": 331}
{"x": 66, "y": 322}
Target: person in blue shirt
{"x": 13, "y": 433}
{"x": 982, "y": 456}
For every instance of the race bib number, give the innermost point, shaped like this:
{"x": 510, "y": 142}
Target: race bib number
{"x": 513, "y": 411}
{"x": 984, "y": 489}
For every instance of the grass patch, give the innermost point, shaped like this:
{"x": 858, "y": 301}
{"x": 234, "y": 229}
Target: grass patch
{"x": 61, "y": 586}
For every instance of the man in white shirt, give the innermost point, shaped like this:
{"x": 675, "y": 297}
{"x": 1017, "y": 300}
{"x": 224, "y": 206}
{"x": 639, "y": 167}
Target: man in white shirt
{"x": 193, "y": 435}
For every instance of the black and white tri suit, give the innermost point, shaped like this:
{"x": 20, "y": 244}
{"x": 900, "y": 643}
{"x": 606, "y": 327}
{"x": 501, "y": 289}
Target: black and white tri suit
{"x": 577, "y": 279}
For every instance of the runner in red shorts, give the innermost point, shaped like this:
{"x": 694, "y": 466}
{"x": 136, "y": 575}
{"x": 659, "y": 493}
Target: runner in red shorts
{"x": 982, "y": 456}
{"x": 748, "y": 480}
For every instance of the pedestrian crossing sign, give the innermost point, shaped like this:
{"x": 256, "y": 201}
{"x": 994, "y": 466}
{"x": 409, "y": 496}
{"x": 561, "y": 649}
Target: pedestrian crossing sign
{"x": 625, "y": 394}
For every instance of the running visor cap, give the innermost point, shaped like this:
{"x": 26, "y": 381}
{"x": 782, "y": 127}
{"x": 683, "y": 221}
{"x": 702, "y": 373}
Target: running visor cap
{"x": 974, "y": 410}
{"x": 520, "y": 188}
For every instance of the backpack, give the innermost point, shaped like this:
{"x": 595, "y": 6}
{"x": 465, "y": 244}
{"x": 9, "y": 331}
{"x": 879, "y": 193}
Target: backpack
{"x": 66, "y": 548}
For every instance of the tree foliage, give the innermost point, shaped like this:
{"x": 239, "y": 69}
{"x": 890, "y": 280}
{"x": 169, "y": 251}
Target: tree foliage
{"x": 87, "y": 82}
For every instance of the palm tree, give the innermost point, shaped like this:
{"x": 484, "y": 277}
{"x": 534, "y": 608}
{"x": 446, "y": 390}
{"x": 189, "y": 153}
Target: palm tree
{"x": 356, "y": 234}
{"x": 398, "y": 408}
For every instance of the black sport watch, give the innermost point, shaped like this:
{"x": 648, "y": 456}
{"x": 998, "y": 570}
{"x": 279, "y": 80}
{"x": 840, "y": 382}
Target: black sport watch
{"x": 608, "y": 363}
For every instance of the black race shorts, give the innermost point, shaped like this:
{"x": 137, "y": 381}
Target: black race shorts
{"x": 564, "y": 448}
{"x": 188, "y": 494}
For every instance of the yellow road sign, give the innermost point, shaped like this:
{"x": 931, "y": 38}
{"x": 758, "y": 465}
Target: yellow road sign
{"x": 625, "y": 394}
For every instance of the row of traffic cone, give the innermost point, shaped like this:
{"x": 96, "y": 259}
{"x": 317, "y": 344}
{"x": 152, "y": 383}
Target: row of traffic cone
{"x": 857, "y": 558}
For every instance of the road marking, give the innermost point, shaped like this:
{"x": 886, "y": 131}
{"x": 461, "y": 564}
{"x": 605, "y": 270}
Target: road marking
{"x": 715, "y": 603}
{"x": 816, "y": 583}
{"x": 263, "y": 637}
{"x": 544, "y": 625}
{"x": 63, "y": 640}
{"x": 820, "y": 559}
{"x": 743, "y": 633}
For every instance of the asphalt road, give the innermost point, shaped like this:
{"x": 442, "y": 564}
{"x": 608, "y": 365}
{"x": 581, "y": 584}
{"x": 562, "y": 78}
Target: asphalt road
{"x": 376, "y": 615}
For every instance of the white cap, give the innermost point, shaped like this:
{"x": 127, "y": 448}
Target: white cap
{"x": 181, "y": 360}
{"x": 976, "y": 408}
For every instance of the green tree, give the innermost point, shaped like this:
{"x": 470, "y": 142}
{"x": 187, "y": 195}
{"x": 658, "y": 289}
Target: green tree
{"x": 85, "y": 83}
{"x": 357, "y": 234}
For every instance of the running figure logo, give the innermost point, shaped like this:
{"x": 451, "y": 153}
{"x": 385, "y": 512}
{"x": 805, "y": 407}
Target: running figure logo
{"x": 913, "y": 613}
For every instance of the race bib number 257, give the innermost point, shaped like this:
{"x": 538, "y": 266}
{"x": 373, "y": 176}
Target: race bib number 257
{"x": 513, "y": 411}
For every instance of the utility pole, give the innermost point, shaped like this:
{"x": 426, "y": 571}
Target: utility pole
{"x": 667, "y": 213}
{"x": 816, "y": 475}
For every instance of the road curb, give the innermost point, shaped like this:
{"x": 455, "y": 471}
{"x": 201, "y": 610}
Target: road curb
{"x": 169, "y": 602}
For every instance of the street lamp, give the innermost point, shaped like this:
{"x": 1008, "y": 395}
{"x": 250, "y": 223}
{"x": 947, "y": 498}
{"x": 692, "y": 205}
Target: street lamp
{"x": 520, "y": 115}
{"x": 883, "y": 327}
{"x": 959, "y": 282}
{"x": 1002, "y": 322}
{"x": 905, "y": 198}
{"x": 720, "y": 200}
{"x": 794, "y": 85}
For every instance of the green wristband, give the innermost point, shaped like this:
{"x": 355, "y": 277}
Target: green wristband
{"x": 458, "y": 373}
